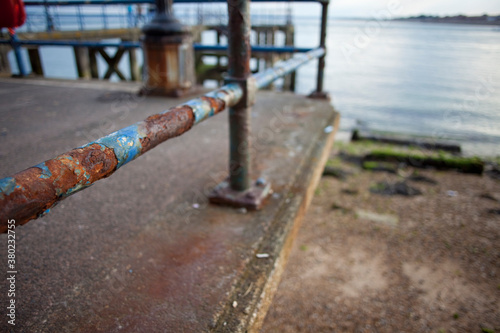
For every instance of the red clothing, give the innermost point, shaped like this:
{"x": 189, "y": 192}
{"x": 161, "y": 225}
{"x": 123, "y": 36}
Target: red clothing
{"x": 12, "y": 13}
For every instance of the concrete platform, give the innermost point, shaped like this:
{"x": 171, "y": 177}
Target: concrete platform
{"x": 143, "y": 251}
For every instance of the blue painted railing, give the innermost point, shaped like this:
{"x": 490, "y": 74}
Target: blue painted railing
{"x": 129, "y": 45}
{"x": 51, "y": 18}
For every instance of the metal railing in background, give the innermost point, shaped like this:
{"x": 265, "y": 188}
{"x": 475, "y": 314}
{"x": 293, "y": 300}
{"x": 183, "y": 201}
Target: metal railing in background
{"x": 51, "y": 18}
{"x": 128, "y": 46}
{"x": 109, "y": 17}
{"x": 53, "y": 21}
{"x": 31, "y": 193}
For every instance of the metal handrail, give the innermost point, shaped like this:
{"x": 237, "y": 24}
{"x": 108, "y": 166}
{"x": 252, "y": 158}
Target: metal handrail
{"x": 265, "y": 78}
{"x": 31, "y": 193}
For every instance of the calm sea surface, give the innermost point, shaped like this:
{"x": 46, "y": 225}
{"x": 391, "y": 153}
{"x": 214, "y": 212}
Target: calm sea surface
{"x": 441, "y": 81}
{"x": 436, "y": 80}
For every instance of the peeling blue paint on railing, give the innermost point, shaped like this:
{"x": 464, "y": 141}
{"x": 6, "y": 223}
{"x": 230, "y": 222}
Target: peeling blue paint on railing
{"x": 126, "y": 143}
{"x": 32, "y": 192}
{"x": 202, "y": 107}
{"x": 45, "y": 171}
{"x": 7, "y": 186}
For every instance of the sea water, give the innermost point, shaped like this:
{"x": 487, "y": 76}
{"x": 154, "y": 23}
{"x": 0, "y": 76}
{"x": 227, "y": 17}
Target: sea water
{"x": 440, "y": 81}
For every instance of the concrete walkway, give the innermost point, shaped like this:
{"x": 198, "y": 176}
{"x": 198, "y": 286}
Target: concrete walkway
{"x": 143, "y": 251}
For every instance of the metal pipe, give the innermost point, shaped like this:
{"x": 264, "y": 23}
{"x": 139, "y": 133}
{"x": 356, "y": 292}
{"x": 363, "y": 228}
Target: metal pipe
{"x": 32, "y": 192}
{"x": 48, "y": 18}
{"x": 104, "y": 17}
{"x": 322, "y": 44}
{"x": 239, "y": 116}
{"x": 263, "y": 79}
{"x": 127, "y": 44}
{"x": 256, "y": 48}
{"x": 80, "y": 18}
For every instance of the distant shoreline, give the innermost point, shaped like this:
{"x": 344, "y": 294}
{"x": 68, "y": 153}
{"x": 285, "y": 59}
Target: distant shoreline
{"x": 460, "y": 19}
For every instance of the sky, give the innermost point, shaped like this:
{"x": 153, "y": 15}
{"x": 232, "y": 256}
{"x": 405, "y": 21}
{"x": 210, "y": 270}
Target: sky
{"x": 366, "y": 8}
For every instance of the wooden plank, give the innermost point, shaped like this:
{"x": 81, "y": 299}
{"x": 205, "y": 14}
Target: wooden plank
{"x": 289, "y": 80}
{"x": 35, "y": 61}
{"x": 129, "y": 34}
{"x": 113, "y": 63}
{"x": 135, "y": 74}
{"x": 94, "y": 70}
{"x": 82, "y": 62}
{"x": 4, "y": 60}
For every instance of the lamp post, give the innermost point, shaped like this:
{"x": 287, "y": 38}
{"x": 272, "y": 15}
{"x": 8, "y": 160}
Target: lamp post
{"x": 168, "y": 54}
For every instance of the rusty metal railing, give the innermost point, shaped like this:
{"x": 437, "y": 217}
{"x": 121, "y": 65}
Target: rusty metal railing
{"x": 31, "y": 193}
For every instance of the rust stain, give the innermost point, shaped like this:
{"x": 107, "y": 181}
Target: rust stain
{"x": 163, "y": 126}
{"x": 32, "y": 192}
{"x": 39, "y": 188}
{"x": 216, "y": 104}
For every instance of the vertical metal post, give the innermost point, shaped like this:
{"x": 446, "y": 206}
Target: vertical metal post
{"x": 218, "y": 43}
{"x": 290, "y": 41}
{"x": 322, "y": 43}
{"x": 56, "y": 20}
{"x": 199, "y": 15}
{"x": 239, "y": 190}
{"x": 319, "y": 93}
{"x": 239, "y": 116}
{"x": 80, "y": 18}
{"x": 104, "y": 17}
{"x": 289, "y": 14}
{"x": 48, "y": 18}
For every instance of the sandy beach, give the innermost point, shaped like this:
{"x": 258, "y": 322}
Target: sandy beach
{"x": 367, "y": 261}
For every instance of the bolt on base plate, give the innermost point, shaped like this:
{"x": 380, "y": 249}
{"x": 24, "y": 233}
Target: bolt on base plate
{"x": 251, "y": 199}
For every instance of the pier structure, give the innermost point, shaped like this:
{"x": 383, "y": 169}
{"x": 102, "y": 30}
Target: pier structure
{"x": 87, "y": 43}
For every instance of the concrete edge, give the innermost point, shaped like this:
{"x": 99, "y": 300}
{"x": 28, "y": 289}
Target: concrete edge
{"x": 250, "y": 299}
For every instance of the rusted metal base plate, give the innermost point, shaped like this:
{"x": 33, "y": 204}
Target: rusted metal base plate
{"x": 252, "y": 199}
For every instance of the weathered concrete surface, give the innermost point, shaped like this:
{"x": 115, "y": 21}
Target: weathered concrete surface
{"x": 143, "y": 250}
